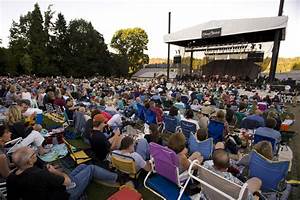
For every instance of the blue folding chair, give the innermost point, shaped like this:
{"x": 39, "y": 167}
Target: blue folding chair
{"x": 141, "y": 111}
{"x": 249, "y": 124}
{"x": 170, "y": 123}
{"x": 205, "y": 147}
{"x": 271, "y": 173}
{"x": 187, "y": 128}
{"x": 215, "y": 130}
{"x": 258, "y": 138}
{"x": 184, "y": 99}
{"x": 150, "y": 117}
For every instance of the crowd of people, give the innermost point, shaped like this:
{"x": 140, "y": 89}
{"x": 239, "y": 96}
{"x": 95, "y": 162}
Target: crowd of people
{"x": 103, "y": 108}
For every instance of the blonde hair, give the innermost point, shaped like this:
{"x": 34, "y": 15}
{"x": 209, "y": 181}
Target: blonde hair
{"x": 14, "y": 114}
{"x": 221, "y": 115}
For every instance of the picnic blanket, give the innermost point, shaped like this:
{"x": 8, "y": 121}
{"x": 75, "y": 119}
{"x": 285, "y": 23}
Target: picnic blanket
{"x": 57, "y": 151}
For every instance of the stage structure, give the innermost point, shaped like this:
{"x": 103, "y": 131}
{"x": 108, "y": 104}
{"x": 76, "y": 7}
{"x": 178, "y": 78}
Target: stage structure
{"x": 226, "y": 40}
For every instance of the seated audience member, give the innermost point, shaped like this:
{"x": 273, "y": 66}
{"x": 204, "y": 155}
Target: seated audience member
{"x": 179, "y": 104}
{"x": 267, "y": 99}
{"x": 100, "y": 143}
{"x": 49, "y": 97}
{"x": 269, "y": 130}
{"x": 115, "y": 121}
{"x": 230, "y": 117}
{"x": 220, "y": 117}
{"x": 154, "y": 135}
{"x": 203, "y": 116}
{"x": 189, "y": 116}
{"x": 5, "y": 136}
{"x": 173, "y": 112}
{"x": 35, "y": 139}
{"x": 29, "y": 182}
{"x": 275, "y": 115}
{"x": 110, "y": 108}
{"x": 89, "y": 125}
{"x": 11, "y": 95}
{"x": 127, "y": 149}
{"x": 221, "y": 163}
{"x": 70, "y": 108}
{"x": 30, "y": 134}
{"x": 16, "y": 123}
{"x": 256, "y": 97}
{"x": 257, "y": 116}
{"x": 158, "y": 111}
{"x": 241, "y": 114}
{"x": 177, "y": 144}
{"x": 202, "y": 134}
{"x": 59, "y": 100}
{"x": 264, "y": 148}
{"x": 195, "y": 106}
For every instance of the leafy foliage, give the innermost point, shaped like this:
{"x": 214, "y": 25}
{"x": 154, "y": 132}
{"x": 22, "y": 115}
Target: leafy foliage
{"x": 46, "y": 46}
{"x": 132, "y": 42}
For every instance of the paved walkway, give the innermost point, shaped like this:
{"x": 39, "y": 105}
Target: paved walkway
{"x": 295, "y": 146}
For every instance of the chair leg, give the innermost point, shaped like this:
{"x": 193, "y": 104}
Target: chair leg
{"x": 183, "y": 188}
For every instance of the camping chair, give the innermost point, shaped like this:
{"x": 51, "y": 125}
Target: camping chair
{"x": 215, "y": 130}
{"x": 170, "y": 124}
{"x": 249, "y": 124}
{"x": 239, "y": 118}
{"x": 214, "y": 186}
{"x": 3, "y": 191}
{"x": 49, "y": 108}
{"x": 185, "y": 99}
{"x": 165, "y": 180}
{"x": 67, "y": 121}
{"x": 205, "y": 147}
{"x": 271, "y": 173}
{"x": 140, "y": 111}
{"x": 275, "y": 146}
{"x": 78, "y": 157}
{"x": 57, "y": 109}
{"x": 187, "y": 128}
{"x": 150, "y": 117}
{"x": 15, "y": 144}
{"x": 125, "y": 164}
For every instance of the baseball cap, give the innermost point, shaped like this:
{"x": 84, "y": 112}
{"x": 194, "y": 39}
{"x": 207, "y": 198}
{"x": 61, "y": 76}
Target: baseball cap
{"x": 99, "y": 118}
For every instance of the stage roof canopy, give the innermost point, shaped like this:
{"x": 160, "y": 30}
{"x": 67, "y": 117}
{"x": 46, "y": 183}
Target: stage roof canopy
{"x": 217, "y": 32}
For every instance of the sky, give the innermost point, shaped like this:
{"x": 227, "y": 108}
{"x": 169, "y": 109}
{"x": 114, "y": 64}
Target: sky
{"x": 108, "y": 16}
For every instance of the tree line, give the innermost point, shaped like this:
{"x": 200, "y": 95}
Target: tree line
{"x": 44, "y": 46}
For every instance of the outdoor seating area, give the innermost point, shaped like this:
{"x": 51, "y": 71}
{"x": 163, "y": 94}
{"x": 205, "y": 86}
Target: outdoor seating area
{"x": 128, "y": 137}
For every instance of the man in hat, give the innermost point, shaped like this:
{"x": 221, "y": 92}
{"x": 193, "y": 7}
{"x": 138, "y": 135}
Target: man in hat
{"x": 101, "y": 143}
{"x": 203, "y": 116}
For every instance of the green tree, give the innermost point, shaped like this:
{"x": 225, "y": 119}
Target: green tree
{"x": 18, "y": 44}
{"x": 60, "y": 44}
{"x": 131, "y": 42}
{"x": 88, "y": 53}
{"x": 37, "y": 42}
{"x": 3, "y": 60}
{"x": 26, "y": 62}
{"x": 120, "y": 65}
{"x": 296, "y": 66}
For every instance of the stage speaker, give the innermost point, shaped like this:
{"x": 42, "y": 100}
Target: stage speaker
{"x": 177, "y": 59}
{"x": 256, "y": 56}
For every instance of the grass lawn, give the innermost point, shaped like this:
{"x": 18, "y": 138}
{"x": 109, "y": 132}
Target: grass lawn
{"x": 97, "y": 191}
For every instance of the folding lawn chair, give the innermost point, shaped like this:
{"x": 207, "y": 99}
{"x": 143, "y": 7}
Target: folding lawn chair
{"x": 164, "y": 179}
{"x": 215, "y": 187}
{"x": 205, "y": 147}
{"x": 187, "y": 128}
{"x": 215, "y": 130}
{"x": 271, "y": 173}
